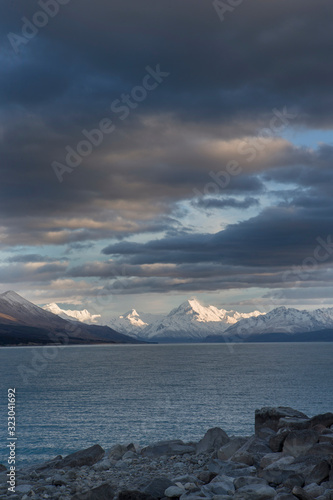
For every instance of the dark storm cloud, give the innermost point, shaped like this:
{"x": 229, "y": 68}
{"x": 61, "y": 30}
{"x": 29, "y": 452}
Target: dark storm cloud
{"x": 280, "y": 236}
{"x": 29, "y": 258}
{"x": 227, "y": 82}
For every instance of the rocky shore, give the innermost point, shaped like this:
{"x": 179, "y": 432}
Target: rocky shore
{"x": 289, "y": 457}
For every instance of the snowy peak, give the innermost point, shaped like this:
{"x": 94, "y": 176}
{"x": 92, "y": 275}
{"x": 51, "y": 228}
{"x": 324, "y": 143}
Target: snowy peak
{"x": 192, "y": 320}
{"x": 284, "y": 320}
{"x": 130, "y": 323}
{"x": 83, "y": 316}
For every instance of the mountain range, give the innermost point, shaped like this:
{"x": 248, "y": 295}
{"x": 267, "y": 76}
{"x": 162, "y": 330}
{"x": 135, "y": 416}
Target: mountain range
{"x": 192, "y": 321}
{"x": 24, "y": 323}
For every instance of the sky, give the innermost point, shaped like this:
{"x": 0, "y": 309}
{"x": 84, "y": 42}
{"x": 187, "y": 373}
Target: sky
{"x": 155, "y": 151}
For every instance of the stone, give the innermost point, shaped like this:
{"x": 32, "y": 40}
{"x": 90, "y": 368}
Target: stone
{"x": 299, "y": 442}
{"x": 243, "y": 457}
{"x": 129, "y": 455}
{"x": 134, "y": 495}
{"x": 314, "y": 490}
{"x": 89, "y": 456}
{"x": 325, "y": 419}
{"x": 251, "y": 452}
{"x": 322, "y": 449}
{"x": 265, "y": 433}
{"x": 319, "y": 474}
{"x": 173, "y": 447}
{"x": 222, "y": 485}
{"x": 285, "y": 496}
{"x": 173, "y": 492}
{"x": 294, "y": 424}
{"x": 157, "y": 486}
{"x": 212, "y": 440}
{"x": 57, "y": 480}
{"x": 255, "y": 492}
{"x": 269, "y": 459}
{"x": 23, "y": 488}
{"x": 270, "y": 416}
{"x": 206, "y": 476}
{"x": 117, "y": 451}
{"x": 301, "y": 494}
{"x": 294, "y": 480}
{"x": 241, "y": 481}
{"x": 230, "y": 448}
{"x": 276, "y": 442}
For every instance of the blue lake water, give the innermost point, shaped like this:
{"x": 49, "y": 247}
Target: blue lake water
{"x": 109, "y": 394}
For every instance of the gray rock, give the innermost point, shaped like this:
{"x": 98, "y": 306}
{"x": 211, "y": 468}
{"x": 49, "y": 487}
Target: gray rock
{"x": 252, "y": 451}
{"x": 270, "y": 416}
{"x": 129, "y": 455}
{"x": 241, "y": 481}
{"x": 301, "y": 494}
{"x": 157, "y": 487}
{"x": 314, "y": 490}
{"x": 174, "y": 492}
{"x": 221, "y": 485}
{"x": 269, "y": 459}
{"x": 294, "y": 424}
{"x": 173, "y": 447}
{"x": 89, "y": 456}
{"x": 23, "y": 488}
{"x": 255, "y": 492}
{"x": 319, "y": 474}
{"x": 276, "y": 442}
{"x": 322, "y": 449}
{"x": 206, "y": 476}
{"x": 325, "y": 419}
{"x": 229, "y": 449}
{"x": 299, "y": 442}
{"x": 117, "y": 451}
{"x": 212, "y": 440}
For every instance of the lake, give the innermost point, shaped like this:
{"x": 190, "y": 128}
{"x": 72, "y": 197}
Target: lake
{"x": 72, "y": 397}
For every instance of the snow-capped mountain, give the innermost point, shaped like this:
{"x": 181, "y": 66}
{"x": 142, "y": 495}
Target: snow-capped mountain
{"x": 19, "y": 310}
{"x": 284, "y": 320}
{"x": 193, "y": 321}
{"x": 24, "y": 323}
{"x": 84, "y": 316}
{"x": 133, "y": 323}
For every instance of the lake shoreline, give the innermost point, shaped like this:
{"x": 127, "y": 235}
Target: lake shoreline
{"x": 290, "y": 456}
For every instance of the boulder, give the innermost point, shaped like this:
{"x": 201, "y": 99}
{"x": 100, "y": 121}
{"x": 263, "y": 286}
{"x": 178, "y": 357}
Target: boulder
{"x": 229, "y": 449}
{"x": 319, "y": 474}
{"x": 270, "y": 416}
{"x": 173, "y": 447}
{"x": 276, "y": 442}
{"x": 301, "y": 494}
{"x": 221, "y": 485}
{"x": 322, "y": 449}
{"x": 206, "y": 476}
{"x": 325, "y": 419}
{"x": 242, "y": 481}
{"x": 253, "y": 450}
{"x": 294, "y": 423}
{"x": 174, "y": 492}
{"x": 314, "y": 490}
{"x": 103, "y": 492}
{"x": 117, "y": 451}
{"x": 89, "y": 456}
{"x": 299, "y": 442}
{"x": 270, "y": 458}
{"x": 255, "y": 492}
{"x": 212, "y": 440}
{"x": 157, "y": 486}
